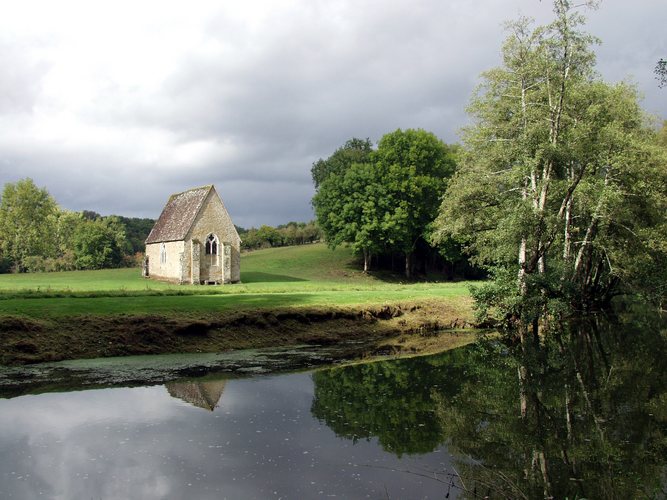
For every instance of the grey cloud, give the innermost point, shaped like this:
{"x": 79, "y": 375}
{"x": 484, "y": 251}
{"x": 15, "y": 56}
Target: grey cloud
{"x": 269, "y": 202}
{"x": 20, "y": 80}
{"x": 252, "y": 106}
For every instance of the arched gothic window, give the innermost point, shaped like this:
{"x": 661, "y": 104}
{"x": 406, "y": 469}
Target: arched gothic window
{"x": 163, "y": 254}
{"x": 212, "y": 244}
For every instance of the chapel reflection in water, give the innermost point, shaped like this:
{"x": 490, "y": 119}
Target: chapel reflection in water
{"x": 205, "y": 395}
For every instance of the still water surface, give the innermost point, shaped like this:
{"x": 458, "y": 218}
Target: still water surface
{"x": 241, "y": 438}
{"x": 583, "y": 415}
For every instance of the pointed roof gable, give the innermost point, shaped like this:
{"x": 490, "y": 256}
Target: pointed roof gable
{"x": 178, "y": 215}
{"x": 204, "y": 395}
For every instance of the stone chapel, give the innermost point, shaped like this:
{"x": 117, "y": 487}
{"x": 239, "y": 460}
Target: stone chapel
{"x": 194, "y": 241}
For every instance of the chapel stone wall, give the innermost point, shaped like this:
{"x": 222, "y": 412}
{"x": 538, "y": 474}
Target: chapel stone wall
{"x": 214, "y": 218}
{"x": 171, "y": 268}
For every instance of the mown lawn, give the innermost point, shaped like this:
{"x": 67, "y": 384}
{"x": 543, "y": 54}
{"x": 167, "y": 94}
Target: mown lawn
{"x": 309, "y": 275}
{"x": 286, "y": 268}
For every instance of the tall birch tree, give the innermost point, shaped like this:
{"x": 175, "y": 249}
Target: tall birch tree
{"x": 561, "y": 178}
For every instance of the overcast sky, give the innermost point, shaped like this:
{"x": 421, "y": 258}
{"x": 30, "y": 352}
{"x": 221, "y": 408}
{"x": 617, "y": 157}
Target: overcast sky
{"x": 113, "y": 106}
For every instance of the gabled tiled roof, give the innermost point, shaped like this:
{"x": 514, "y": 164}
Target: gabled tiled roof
{"x": 204, "y": 395}
{"x": 178, "y": 215}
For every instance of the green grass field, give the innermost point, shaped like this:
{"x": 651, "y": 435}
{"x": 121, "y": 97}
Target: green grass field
{"x": 309, "y": 275}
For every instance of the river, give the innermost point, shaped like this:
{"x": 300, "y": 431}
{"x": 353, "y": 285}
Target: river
{"x": 582, "y": 415}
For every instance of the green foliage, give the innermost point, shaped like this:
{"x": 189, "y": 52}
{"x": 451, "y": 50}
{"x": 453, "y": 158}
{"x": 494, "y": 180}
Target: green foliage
{"x": 67, "y": 224}
{"x": 385, "y": 204}
{"x": 562, "y": 186}
{"x": 136, "y": 232}
{"x": 354, "y": 151}
{"x": 292, "y": 233}
{"x": 414, "y": 166}
{"x": 27, "y": 214}
{"x": 99, "y": 243}
{"x": 299, "y": 233}
{"x": 39, "y": 264}
{"x": 662, "y": 135}
{"x": 351, "y": 208}
{"x": 37, "y": 236}
{"x": 270, "y": 235}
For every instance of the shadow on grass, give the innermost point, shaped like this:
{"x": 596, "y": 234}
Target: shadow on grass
{"x": 395, "y": 276}
{"x": 259, "y": 277}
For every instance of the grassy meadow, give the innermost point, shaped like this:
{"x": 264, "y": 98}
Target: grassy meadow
{"x": 308, "y": 275}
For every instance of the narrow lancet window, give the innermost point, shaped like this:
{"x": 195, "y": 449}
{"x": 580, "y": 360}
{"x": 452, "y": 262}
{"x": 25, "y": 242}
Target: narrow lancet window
{"x": 212, "y": 245}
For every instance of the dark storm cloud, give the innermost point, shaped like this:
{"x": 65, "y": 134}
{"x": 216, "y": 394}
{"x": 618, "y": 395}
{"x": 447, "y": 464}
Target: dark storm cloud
{"x": 631, "y": 45}
{"x": 248, "y": 96}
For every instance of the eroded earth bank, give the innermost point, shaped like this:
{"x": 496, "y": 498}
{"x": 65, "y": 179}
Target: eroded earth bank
{"x": 410, "y": 327}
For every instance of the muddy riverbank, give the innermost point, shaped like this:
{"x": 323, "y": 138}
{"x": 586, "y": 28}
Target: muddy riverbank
{"x": 398, "y": 328}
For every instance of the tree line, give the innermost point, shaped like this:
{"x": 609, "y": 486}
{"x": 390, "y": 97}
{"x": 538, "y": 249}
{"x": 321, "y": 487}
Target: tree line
{"x": 38, "y": 235}
{"x": 292, "y": 233}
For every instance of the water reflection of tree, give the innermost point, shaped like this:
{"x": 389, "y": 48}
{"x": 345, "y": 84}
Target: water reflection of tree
{"x": 586, "y": 417}
{"x": 390, "y": 401}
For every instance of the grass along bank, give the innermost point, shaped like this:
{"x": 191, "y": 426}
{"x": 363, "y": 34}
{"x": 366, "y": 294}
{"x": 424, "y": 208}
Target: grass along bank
{"x": 283, "y": 268}
{"x": 290, "y": 295}
{"x": 302, "y": 276}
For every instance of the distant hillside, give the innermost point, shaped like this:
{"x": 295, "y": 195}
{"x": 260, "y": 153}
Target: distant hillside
{"x": 313, "y": 262}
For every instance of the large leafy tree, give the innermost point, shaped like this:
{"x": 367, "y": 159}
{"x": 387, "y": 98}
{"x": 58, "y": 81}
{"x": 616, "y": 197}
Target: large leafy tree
{"x": 36, "y": 235}
{"x": 351, "y": 208}
{"x": 340, "y": 191}
{"x": 27, "y": 215}
{"x": 562, "y": 188}
{"x": 99, "y": 243}
{"x": 387, "y": 203}
{"x": 414, "y": 166}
